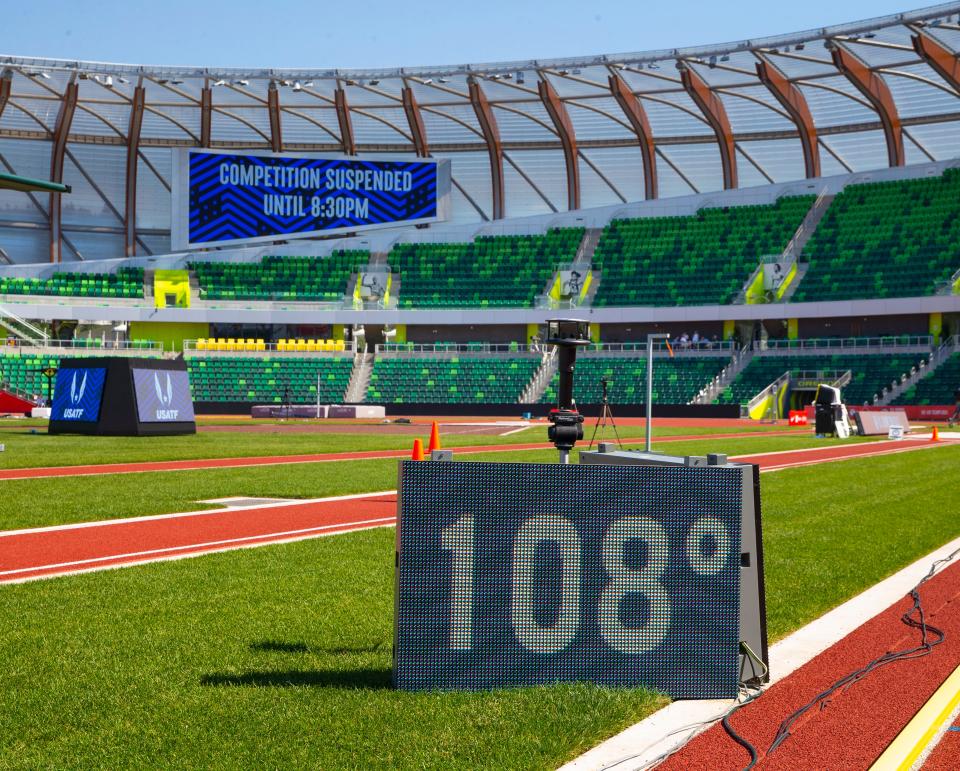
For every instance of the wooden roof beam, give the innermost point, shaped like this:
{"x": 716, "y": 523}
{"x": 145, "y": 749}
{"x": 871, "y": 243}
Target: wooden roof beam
{"x": 133, "y": 157}
{"x": 876, "y": 91}
{"x": 637, "y": 116}
{"x": 491, "y": 134}
{"x": 346, "y": 122}
{"x": 415, "y": 119}
{"x": 792, "y": 100}
{"x": 273, "y": 109}
{"x": 61, "y": 131}
{"x": 716, "y": 115}
{"x": 568, "y": 139}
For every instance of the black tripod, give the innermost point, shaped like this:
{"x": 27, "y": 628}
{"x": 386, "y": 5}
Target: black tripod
{"x": 605, "y": 414}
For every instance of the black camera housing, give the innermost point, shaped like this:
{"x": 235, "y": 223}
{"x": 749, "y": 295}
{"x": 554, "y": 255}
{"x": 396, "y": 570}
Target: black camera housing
{"x": 566, "y": 429}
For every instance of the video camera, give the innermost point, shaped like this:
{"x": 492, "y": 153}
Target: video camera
{"x": 567, "y": 423}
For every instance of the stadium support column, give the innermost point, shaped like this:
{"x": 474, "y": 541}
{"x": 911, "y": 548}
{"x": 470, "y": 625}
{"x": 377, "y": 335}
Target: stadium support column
{"x": 568, "y": 140}
{"x": 793, "y": 101}
{"x": 415, "y": 119}
{"x": 61, "y": 131}
{"x": 716, "y": 115}
{"x": 637, "y": 116}
{"x": 273, "y": 108}
{"x": 875, "y": 90}
{"x": 6, "y": 83}
{"x": 491, "y": 135}
{"x": 346, "y": 123}
{"x": 938, "y": 58}
{"x": 206, "y": 112}
{"x": 133, "y": 150}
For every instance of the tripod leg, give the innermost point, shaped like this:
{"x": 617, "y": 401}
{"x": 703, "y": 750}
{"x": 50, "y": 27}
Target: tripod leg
{"x": 614, "y": 424}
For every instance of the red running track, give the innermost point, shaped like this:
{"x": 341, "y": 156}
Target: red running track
{"x": 51, "y": 551}
{"x": 279, "y": 460}
{"x": 854, "y": 726}
{"x": 59, "y": 550}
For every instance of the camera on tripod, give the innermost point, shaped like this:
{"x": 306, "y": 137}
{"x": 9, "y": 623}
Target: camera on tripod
{"x": 567, "y": 423}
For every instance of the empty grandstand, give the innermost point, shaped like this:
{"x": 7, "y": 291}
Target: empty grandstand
{"x": 747, "y": 191}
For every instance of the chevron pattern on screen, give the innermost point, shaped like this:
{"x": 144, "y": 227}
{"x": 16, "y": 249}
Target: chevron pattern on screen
{"x": 235, "y": 197}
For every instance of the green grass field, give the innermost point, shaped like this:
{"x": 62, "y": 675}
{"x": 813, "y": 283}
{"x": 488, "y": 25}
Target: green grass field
{"x": 63, "y": 500}
{"x": 279, "y": 656}
{"x": 29, "y": 445}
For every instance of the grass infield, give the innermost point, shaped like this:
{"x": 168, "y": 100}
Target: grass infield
{"x": 279, "y": 656}
{"x": 64, "y": 500}
{"x": 29, "y": 446}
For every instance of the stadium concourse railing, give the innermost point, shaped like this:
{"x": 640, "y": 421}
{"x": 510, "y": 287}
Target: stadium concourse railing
{"x": 86, "y": 346}
{"x": 846, "y": 344}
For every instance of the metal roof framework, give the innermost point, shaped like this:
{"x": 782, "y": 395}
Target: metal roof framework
{"x": 546, "y": 135}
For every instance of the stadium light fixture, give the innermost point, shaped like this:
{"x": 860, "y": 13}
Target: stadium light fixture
{"x": 373, "y": 83}
{"x": 177, "y": 82}
{"x": 297, "y": 86}
{"x": 241, "y": 82}
{"x": 447, "y": 80}
{"x": 219, "y": 83}
{"x": 308, "y": 84}
{"x": 121, "y": 79}
{"x": 427, "y": 81}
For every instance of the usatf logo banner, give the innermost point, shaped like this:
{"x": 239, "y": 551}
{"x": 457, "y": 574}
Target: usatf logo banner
{"x": 77, "y": 394}
{"x": 163, "y": 396}
{"x": 234, "y": 198}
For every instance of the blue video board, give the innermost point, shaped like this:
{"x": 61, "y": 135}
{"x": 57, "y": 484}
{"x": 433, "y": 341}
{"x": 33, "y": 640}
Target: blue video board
{"x": 232, "y": 198}
{"x": 163, "y": 396}
{"x": 524, "y": 574}
{"x": 77, "y": 394}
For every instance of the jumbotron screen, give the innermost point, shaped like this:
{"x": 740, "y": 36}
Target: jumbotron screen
{"x": 523, "y": 574}
{"x": 231, "y": 198}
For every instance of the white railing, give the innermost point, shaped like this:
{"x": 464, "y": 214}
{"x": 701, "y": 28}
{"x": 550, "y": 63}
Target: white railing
{"x": 841, "y": 343}
{"x": 88, "y": 345}
{"x": 675, "y": 347}
{"x": 541, "y": 378}
{"x": 419, "y": 349}
{"x": 741, "y": 357}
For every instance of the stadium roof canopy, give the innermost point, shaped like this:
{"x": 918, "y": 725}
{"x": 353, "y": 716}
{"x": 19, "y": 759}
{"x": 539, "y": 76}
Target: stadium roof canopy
{"x": 525, "y": 137}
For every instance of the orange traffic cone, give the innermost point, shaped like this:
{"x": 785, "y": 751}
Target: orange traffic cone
{"x": 935, "y": 436}
{"x": 417, "y": 449}
{"x": 434, "y": 438}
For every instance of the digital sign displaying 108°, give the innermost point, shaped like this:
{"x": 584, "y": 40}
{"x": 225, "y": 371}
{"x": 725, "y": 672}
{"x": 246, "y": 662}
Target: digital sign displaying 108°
{"x": 523, "y": 574}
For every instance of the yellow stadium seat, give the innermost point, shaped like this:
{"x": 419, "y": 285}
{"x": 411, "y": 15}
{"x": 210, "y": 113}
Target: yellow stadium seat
{"x": 311, "y": 345}
{"x": 339, "y": 345}
{"x": 260, "y": 345}
{"x": 301, "y": 345}
{"x": 201, "y": 344}
{"x": 221, "y": 344}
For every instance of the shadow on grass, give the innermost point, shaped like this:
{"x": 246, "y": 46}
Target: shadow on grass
{"x": 279, "y": 646}
{"x": 351, "y": 679}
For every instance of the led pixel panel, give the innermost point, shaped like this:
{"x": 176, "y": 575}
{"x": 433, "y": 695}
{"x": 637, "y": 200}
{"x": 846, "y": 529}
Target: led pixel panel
{"x": 77, "y": 394}
{"x": 230, "y": 198}
{"x": 514, "y": 574}
{"x": 163, "y": 396}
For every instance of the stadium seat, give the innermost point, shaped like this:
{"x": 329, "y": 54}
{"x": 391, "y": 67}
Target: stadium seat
{"x": 885, "y": 239}
{"x": 701, "y": 260}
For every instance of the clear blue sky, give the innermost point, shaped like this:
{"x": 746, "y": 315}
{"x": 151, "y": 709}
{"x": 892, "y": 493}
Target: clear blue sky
{"x": 377, "y": 33}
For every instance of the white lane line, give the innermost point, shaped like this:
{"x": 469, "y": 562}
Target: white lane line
{"x": 167, "y": 549}
{"x": 190, "y": 555}
{"x": 201, "y": 513}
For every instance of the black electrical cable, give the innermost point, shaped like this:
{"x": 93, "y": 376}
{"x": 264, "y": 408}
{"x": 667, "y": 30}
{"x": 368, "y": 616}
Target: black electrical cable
{"x": 922, "y": 649}
{"x": 737, "y": 737}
